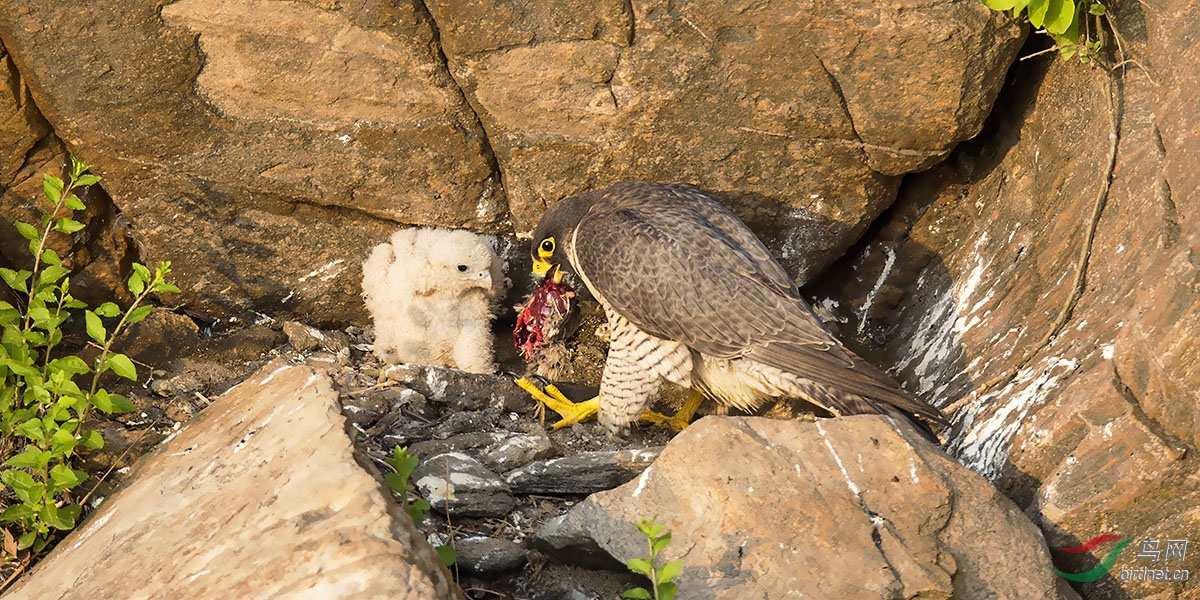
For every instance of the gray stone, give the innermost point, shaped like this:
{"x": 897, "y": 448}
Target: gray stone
{"x": 462, "y": 391}
{"x": 457, "y": 483}
{"x": 498, "y": 450}
{"x": 583, "y": 473}
{"x": 220, "y": 510}
{"x": 302, "y": 337}
{"x": 486, "y": 555}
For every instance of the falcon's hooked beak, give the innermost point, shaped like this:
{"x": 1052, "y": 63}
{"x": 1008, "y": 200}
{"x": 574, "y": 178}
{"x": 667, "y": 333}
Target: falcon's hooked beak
{"x": 542, "y": 268}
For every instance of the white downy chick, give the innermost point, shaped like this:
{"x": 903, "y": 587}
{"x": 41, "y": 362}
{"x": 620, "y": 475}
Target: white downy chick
{"x": 432, "y": 294}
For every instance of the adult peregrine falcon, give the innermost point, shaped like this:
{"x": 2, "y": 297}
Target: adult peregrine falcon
{"x": 694, "y": 298}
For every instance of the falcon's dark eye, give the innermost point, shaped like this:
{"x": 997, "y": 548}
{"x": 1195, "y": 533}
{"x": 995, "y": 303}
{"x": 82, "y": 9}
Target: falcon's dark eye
{"x": 462, "y": 268}
{"x": 546, "y": 248}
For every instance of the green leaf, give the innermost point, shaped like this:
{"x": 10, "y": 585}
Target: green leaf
{"x": 66, "y": 225}
{"x": 108, "y": 309}
{"x": 50, "y": 257}
{"x": 122, "y": 366}
{"x": 667, "y": 590}
{"x": 1038, "y": 10}
{"x": 142, "y": 271}
{"x": 163, "y": 287}
{"x": 87, "y": 179}
{"x": 70, "y": 364}
{"x": 659, "y": 543}
{"x": 1061, "y": 16}
{"x": 103, "y": 401}
{"x": 95, "y": 329}
{"x": 32, "y": 494}
{"x": 57, "y": 518}
{"x": 397, "y": 483}
{"x": 1097, "y": 9}
{"x": 65, "y": 477}
{"x": 38, "y": 314}
{"x": 63, "y": 442}
{"x": 15, "y": 279}
{"x": 31, "y": 429}
{"x": 31, "y": 458}
{"x": 93, "y": 440}
{"x": 448, "y": 555}
{"x": 637, "y": 593}
{"x": 640, "y": 566}
{"x": 28, "y": 231}
{"x": 78, "y": 167}
{"x": 51, "y": 274}
{"x": 121, "y": 404}
{"x": 17, "y": 513}
{"x": 139, "y": 314}
{"x": 74, "y": 203}
{"x": 670, "y": 570}
{"x": 1000, "y": 4}
{"x": 17, "y": 480}
{"x": 52, "y": 187}
{"x": 136, "y": 284}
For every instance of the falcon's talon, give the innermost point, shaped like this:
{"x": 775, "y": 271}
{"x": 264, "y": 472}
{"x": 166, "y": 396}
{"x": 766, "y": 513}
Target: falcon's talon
{"x": 552, "y": 398}
{"x": 683, "y": 416}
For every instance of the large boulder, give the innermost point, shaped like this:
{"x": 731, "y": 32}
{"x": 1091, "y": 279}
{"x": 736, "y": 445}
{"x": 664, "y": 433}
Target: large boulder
{"x": 258, "y": 497}
{"x": 261, "y": 146}
{"x": 1043, "y": 285}
{"x": 844, "y": 508}
{"x": 799, "y": 116}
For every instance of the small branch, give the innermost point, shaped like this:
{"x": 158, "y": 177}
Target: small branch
{"x": 1040, "y": 52}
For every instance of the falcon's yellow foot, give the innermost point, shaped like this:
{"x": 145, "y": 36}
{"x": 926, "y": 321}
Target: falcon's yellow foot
{"x": 682, "y": 417}
{"x": 552, "y": 398}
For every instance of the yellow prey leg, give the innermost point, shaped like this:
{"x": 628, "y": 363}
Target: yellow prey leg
{"x": 682, "y": 417}
{"x": 572, "y": 412}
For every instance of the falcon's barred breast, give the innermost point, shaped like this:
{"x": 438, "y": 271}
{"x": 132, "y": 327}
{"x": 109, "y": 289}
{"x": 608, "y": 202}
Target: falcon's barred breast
{"x": 694, "y": 298}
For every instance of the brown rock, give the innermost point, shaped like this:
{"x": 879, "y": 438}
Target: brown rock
{"x": 787, "y": 113}
{"x": 242, "y": 501}
{"x": 260, "y": 146}
{"x": 1087, "y": 416}
{"x": 842, "y": 508}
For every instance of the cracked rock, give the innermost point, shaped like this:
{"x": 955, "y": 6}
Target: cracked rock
{"x": 584, "y": 473}
{"x": 456, "y": 483}
{"x": 870, "y": 512}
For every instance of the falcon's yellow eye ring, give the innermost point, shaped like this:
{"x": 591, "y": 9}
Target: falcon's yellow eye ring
{"x": 546, "y": 248}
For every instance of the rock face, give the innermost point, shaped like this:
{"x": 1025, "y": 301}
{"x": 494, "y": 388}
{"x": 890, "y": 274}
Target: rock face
{"x": 784, "y": 111}
{"x": 1043, "y": 283}
{"x": 264, "y": 146}
{"x": 259, "y": 497}
{"x": 842, "y": 508}
{"x": 258, "y": 145}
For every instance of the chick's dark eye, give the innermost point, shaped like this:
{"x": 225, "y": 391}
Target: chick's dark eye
{"x": 547, "y": 246}
{"x": 462, "y": 268}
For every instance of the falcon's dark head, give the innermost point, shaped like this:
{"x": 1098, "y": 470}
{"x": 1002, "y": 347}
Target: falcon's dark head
{"x": 554, "y": 234}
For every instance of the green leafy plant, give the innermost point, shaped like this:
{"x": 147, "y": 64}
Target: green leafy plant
{"x": 661, "y": 585}
{"x": 1066, "y": 21}
{"x": 41, "y": 405}
{"x": 404, "y": 465}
